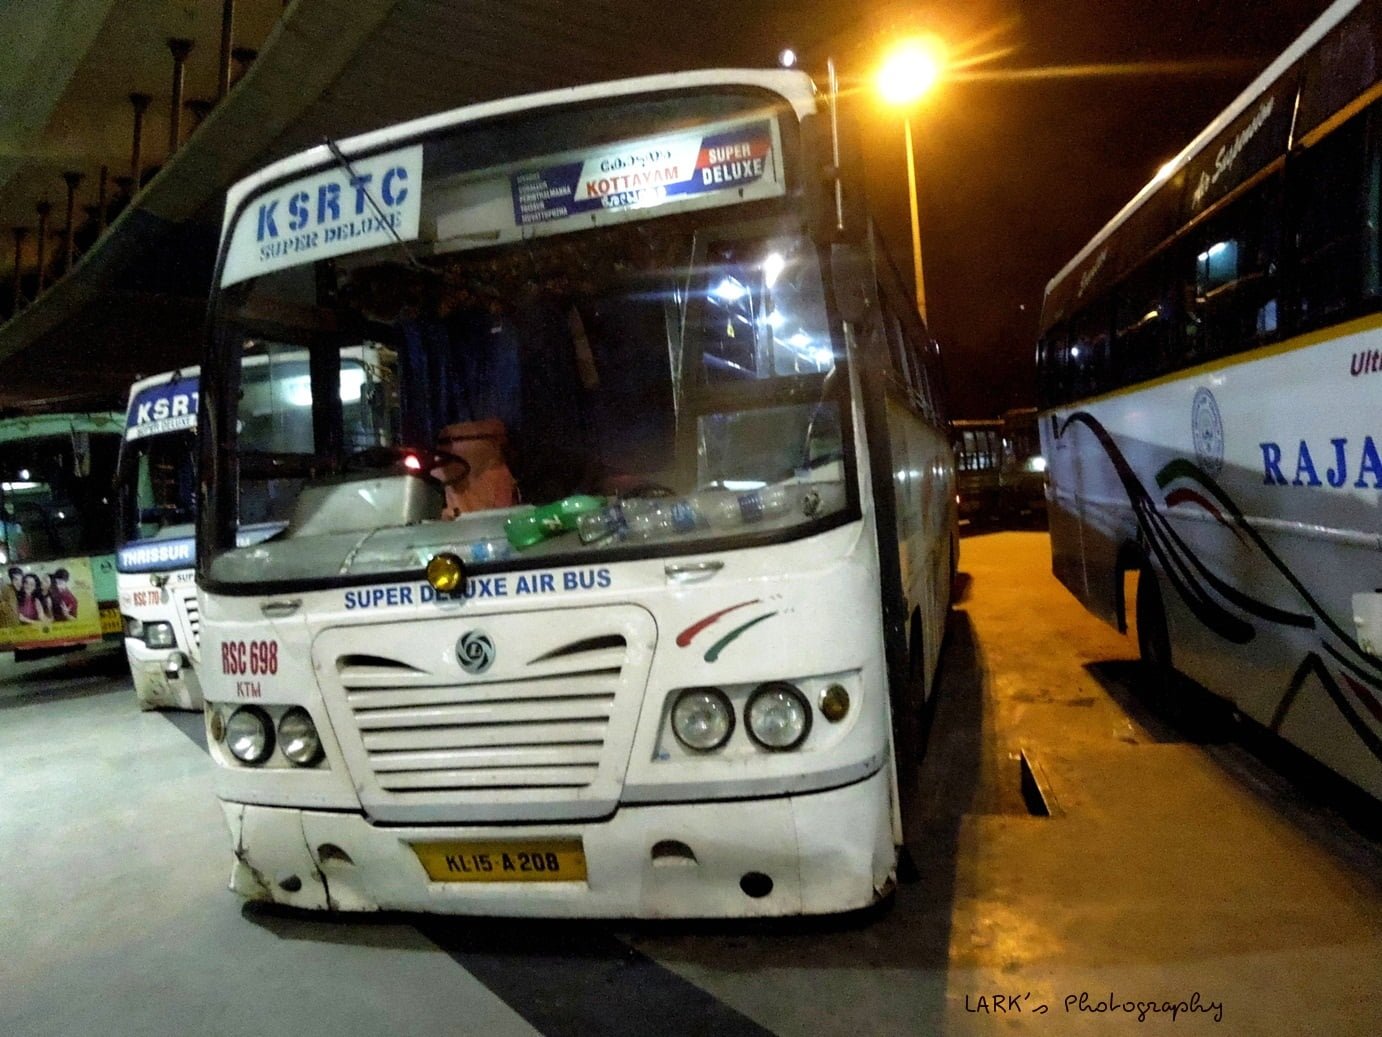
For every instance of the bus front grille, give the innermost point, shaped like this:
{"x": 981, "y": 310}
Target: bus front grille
{"x": 192, "y": 616}
{"x": 544, "y": 731}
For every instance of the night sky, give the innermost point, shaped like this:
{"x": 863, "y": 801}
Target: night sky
{"x": 1018, "y": 171}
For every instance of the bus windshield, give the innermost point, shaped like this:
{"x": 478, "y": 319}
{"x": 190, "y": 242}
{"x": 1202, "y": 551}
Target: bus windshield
{"x": 56, "y": 495}
{"x": 666, "y": 371}
{"x": 158, "y": 486}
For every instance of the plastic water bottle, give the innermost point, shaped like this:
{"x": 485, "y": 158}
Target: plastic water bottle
{"x": 654, "y": 518}
{"x": 495, "y": 549}
{"x": 638, "y": 518}
{"x": 605, "y": 524}
{"x": 723, "y": 509}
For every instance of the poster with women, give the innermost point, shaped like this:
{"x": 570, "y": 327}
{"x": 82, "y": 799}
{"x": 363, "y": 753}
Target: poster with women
{"x": 45, "y": 604}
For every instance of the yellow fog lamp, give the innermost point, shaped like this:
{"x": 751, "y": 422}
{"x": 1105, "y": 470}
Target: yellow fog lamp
{"x": 834, "y": 703}
{"x": 446, "y": 573}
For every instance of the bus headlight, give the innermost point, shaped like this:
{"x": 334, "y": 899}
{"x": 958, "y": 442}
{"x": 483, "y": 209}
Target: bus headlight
{"x": 778, "y": 716}
{"x": 702, "y": 719}
{"x": 297, "y": 737}
{"x": 159, "y": 635}
{"x": 250, "y": 735}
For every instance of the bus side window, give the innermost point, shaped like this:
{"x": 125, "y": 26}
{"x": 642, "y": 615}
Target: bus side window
{"x": 919, "y": 350}
{"x": 1141, "y": 325}
{"x": 1230, "y": 278}
{"x": 1052, "y": 369}
{"x": 897, "y": 349}
{"x": 908, "y": 346}
{"x": 1087, "y": 351}
{"x": 1334, "y": 187}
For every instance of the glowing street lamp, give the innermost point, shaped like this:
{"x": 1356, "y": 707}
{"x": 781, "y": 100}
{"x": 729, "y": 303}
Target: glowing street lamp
{"x": 910, "y": 72}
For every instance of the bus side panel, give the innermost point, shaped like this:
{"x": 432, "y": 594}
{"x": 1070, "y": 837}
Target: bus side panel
{"x": 1091, "y": 518}
{"x": 1262, "y": 517}
{"x": 923, "y": 482}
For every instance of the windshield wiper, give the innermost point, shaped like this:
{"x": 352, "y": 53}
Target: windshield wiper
{"x": 344, "y": 163}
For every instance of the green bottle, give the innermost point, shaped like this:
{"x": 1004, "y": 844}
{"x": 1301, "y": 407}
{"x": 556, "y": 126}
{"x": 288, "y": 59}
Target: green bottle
{"x": 550, "y": 520}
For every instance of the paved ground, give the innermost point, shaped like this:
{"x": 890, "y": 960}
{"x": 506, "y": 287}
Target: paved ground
{"x": 1172, "y": 871}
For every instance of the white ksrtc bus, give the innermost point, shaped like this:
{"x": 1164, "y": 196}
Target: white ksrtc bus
{"x": 1211, "y": 374}
{"x": 154, "y": 559}
{"x": 632, "y": 608}
{"x": 157, "y": 487}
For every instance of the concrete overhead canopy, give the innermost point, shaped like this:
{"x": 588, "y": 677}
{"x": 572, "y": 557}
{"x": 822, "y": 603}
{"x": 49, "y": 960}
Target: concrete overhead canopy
{"x": 133, "y": 301}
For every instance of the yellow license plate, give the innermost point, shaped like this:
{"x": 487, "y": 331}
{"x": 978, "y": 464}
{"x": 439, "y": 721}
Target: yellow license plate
{"x": 111, "y": 623}
{"x": 519, "y": 860}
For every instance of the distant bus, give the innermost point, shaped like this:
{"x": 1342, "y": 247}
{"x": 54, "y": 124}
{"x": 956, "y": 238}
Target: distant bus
{"x": 1022, "y": 475}
{"x": 57, "y": 530}
{"x": 978, "y": 447}
{"x": 635, "y": 609}
{"x": 1210, "y": 372}
{"x": 157, "y": 547}
{"x": 158, "y": 497}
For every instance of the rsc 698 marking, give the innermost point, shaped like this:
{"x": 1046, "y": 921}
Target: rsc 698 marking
{"x": 256, "y": 658}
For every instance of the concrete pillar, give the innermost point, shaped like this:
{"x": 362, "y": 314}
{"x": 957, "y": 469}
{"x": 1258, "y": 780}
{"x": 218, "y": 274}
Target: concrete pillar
{"x": 179, "y": 48}
{"x": 227, "y": 31}
{"x": 141, "y": 105}
{"x": 200, "y": 109}
{"x": 20, "y": 233}
{"x": 244, "y": 57}
{"x": 43, "y": 209}
{"x": 72, "y": 178}
{"x": 101, "y": 200}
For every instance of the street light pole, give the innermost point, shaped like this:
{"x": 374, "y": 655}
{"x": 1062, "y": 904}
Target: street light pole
{"x": 916, "y": 219}
{"x": 904, "y": 78}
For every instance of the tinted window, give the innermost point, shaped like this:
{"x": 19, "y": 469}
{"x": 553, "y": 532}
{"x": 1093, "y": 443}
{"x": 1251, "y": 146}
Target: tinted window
{"x": 1335, "y": 204}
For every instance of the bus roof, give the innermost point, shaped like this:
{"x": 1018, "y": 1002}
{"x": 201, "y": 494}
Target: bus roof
{"x": 37, "y": 426}
{"x": 794, "y": 86}
{"x": 177, "y": 374}
{"x": 1334, "y": 14}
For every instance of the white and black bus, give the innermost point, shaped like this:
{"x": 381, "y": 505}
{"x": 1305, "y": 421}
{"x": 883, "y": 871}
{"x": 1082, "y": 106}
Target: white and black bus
{"x": 1211, "y": 391}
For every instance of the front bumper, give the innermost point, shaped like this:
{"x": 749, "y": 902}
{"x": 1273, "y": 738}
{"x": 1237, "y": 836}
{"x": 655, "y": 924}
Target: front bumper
{"x": 163, "y": 677}
{"x": 825, "y": 852}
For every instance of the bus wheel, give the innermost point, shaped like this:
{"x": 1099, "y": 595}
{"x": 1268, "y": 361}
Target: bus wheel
{"x": 1158, "y": 678}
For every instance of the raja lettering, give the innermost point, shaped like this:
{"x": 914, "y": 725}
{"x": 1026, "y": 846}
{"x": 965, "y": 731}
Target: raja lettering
{"x": 1344, "y": 462}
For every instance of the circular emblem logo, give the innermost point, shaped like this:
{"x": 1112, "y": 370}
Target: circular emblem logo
{"x": 475, "y": 652}
{"x": 1207, "y": 429}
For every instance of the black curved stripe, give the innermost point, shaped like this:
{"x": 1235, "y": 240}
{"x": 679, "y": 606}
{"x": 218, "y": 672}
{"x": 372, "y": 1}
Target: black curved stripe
{"x": 1182, "y": 467}
{"x": 1162, "y": 539}
{"x": 1177, "y": 559}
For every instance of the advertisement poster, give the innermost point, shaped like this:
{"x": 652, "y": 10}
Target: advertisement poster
{"x": 48, "y": 604}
